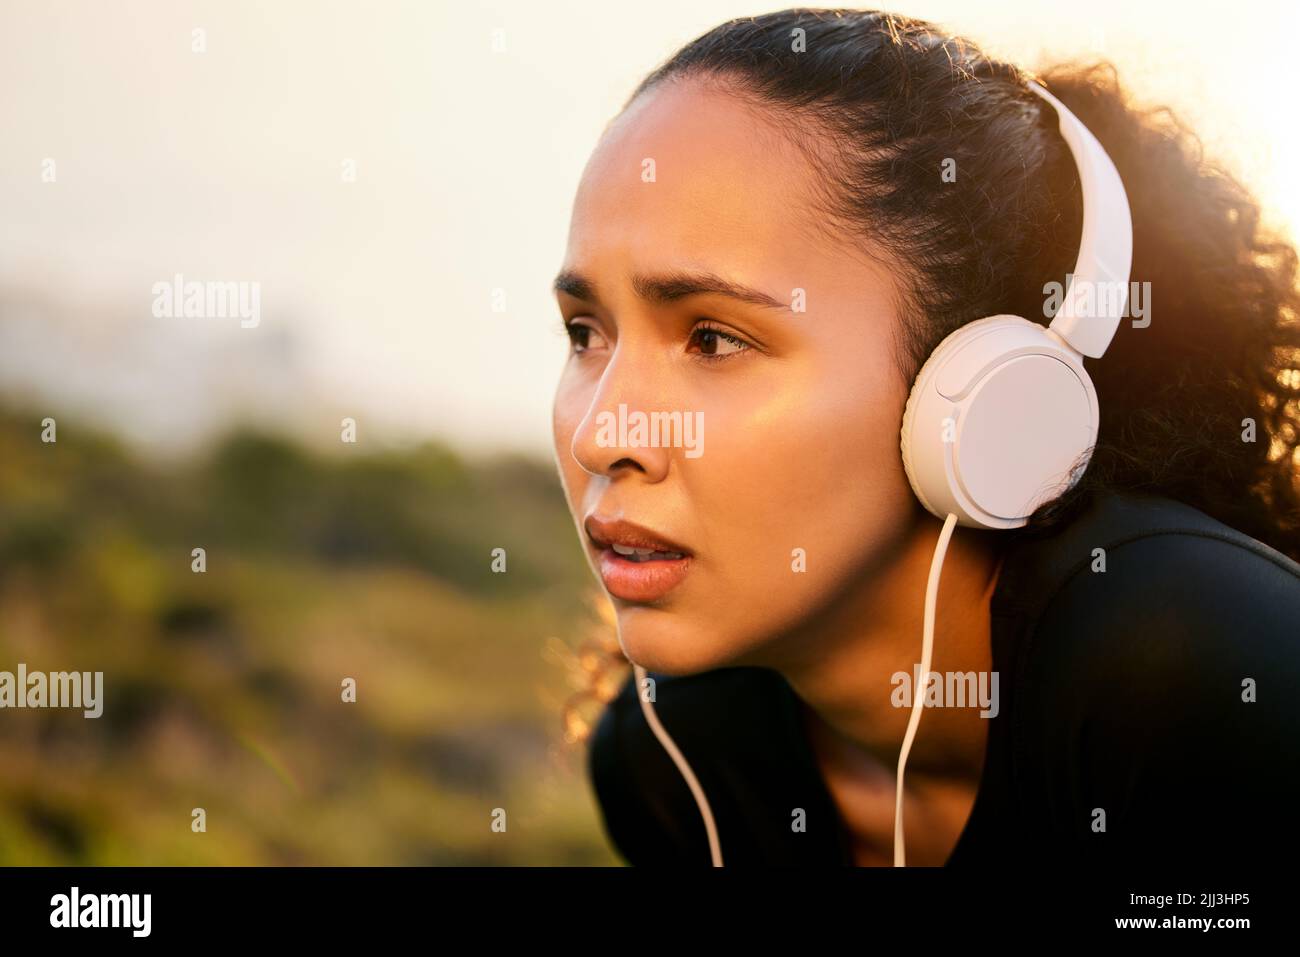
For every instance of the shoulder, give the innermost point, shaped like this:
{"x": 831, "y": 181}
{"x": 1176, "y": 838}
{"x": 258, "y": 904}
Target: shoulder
{"x": 715, "y": 718}
{"x": 1162, "y": 674}
{"x": 1152, "y": 589}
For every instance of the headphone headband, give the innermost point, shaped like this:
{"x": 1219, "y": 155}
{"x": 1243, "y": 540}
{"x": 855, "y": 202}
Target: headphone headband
{"x": 1105, "y": 247}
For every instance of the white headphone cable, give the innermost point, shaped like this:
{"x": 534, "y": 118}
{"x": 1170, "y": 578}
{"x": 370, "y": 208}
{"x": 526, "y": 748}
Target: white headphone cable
{"x": 927, "y": 648}
{"x": 714, "y": 849}
{"x": 918, "y": 698}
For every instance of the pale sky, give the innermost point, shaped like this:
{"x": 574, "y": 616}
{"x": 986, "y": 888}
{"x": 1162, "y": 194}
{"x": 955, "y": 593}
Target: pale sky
{"x": 376, "y": 295}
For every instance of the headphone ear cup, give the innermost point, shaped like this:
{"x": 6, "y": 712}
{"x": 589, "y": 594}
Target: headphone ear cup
{"x": 1001, "y": 419}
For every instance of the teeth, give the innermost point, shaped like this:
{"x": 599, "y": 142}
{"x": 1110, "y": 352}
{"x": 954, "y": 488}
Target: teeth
{"x": 644, "y": 554}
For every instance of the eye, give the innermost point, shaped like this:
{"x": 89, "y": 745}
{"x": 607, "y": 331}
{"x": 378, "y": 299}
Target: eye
{"x": 580, "y": 337}
{"x": 714, "y": 343}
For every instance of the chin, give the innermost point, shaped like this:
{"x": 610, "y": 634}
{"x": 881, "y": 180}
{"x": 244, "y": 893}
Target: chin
{"x": 667, "y": 641}
{"x": 662, "y": 640}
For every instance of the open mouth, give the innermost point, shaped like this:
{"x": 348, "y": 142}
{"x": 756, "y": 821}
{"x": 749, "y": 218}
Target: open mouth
{"x": 636, "y": 565}
{"x": 632, "y": 541}
{"x": 644, "y": 554}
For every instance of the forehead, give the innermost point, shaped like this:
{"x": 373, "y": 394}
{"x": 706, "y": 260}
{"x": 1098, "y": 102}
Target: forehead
{"x": 728, "y": 184}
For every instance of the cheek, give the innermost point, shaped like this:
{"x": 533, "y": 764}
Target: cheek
{"x": 567, "y": 411}
{"x": 810, "y": 463}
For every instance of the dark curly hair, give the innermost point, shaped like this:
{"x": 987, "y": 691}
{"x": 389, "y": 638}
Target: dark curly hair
{"x": 897, "y": 97}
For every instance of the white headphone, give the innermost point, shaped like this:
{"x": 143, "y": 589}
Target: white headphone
{"x": 1002, "y": 417}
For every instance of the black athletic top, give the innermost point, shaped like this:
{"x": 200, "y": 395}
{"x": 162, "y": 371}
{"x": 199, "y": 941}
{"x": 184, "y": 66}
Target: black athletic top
{"x": 1121, "y": 689}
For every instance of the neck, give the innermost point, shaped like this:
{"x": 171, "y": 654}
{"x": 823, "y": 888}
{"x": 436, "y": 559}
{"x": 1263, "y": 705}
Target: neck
{"x": 842, "y": 663}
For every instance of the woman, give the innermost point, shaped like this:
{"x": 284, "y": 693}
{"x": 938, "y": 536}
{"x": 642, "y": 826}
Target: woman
{"x": 784, "y": 221}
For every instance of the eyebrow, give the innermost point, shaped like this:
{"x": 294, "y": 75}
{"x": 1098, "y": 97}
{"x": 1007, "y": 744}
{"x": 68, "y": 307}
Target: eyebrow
{"x": 670, "y": 287}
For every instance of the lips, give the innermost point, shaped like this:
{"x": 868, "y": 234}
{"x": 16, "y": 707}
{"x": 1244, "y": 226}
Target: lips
{"x": 637, "y": 564}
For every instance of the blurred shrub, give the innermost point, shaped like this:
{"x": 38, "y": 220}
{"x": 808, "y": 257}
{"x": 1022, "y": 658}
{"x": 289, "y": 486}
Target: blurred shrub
{"x": 222, "y": 690}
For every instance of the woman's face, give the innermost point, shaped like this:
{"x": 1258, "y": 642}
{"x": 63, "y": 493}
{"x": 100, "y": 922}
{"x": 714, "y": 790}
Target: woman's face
{"x": 788, "y": 453}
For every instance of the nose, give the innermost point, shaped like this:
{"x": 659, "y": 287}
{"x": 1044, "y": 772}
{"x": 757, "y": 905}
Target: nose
{"x": 606, "y": 441}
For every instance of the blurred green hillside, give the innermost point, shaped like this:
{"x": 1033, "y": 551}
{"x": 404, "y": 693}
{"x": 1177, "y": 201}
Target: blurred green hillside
{"x": 222, "y": 689}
